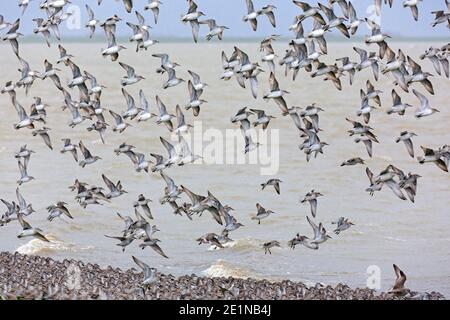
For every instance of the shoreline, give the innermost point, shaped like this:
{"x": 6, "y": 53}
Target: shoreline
{"x": 37, "y": 277}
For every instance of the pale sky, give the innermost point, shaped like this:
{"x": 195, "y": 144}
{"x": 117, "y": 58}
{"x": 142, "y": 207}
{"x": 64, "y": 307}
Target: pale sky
{"x": 396, "y": 21}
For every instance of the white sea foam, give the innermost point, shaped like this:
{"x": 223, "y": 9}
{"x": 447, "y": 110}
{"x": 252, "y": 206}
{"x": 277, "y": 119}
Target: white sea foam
{"x": 36, "y": 246}
{"x": 222, "y": 268}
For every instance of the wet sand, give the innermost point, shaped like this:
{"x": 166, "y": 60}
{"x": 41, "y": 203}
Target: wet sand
{"x": 36, "y": 277}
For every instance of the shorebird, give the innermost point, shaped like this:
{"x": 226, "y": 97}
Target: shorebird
{"x": 263, "y": 118}
{"x": 160, "y": 162}
{"x": 24, "y": 4}
{"x": 28, "y": 76}
{"x": 149, "y": 273}
{"x": 78, "y": 79}
{"x": 303, "y": 240}
{"x": 50, "y": 72}
{"x": 348, "y": 66}
{"x": 406, "y": 137}
{"x": 412, "y": 4}
{"x": 24, "y": 152}
{"x": 172, "y": 191}
{"x": 174, "y": 157}
{"x": 419, "y": 76}
{"x": 132, "y": 110}
{"x": 154, "y": 6}
{"x": 128, "y": 4}
{"x": 63, "y": 56}
{"x": 116, "y": 190}
{"x": 113, "y": 49}
{"x": 182, "y": 127}
{"x": 367, "y": 60}
{"x": 354, "y": 22}
{"x": 144, "y": 113}
{"x": 165, "y": 62}
{"x": 163, "y": 116}
{"x": 249, "y": 144}
{"x": 320, "y": 234}
{"x": 109, "y": 26}
{"x": 272, "y": 182}
{"x": 88, "y": 158}
{"x": 277, "y": 94}
{"x": 125, "y": 240}
{"x": 342, "y": 225}
{"x": 197, "y": 205}
{"x": 58, "y": 209}
{"x": 9, "y": 88}
{"x": 268, "y": 51}
{"x": 186, "y": 155}
{"x": 95, "y": 89}
{"x": 365, "y": 109}
{"x": 434, "y": 156}
{"x": 309, "y": 11}
{"x": 152, "y": 242}
{"x": 24, "y": 120}
{"x": 29, "y": 231}
{"x": 195, "y": 102}
{"x": 12, "y": 35}
{"x": 43, "y": 27}
{"x": 39, "y": 105}
{"x": 334, "y": 21}
{"x": 268, "y": 11}
{"x": 241, "y": 115}
{"x": 251, "y": 15}
{"x": 424, "y": 109}
{"x": 3, "y": 23}
{"x": 318, "y": 33}
{"x": 120, "y": 125}
{"x": 210, "y": 238}
{"x": 387, "y": 177}
{"x": 214, "y": 29}
{"x": 69, "y": 147}
{"x": 146, "y": 41}
{"x": 143, "y": 203}
{"x": 10, "y": 214}
{"x": 24, "y": 207}
{"x": 197, "y": 83}
{"x": 312, "y": 111}
{"x": 374, "y": 185}
{"x": 311, "y": 197}
{"x": 192, "y": 17}
{"x": 131, "y": 77}
{"x": 43, "y": 133}
{"x": 172, "y": 79}
{"x": 139, "y": 161}
{"x": 359, "y": 129}
{"x": 312, "y": 144}
{"x": 123, "y": 148}
{"x": 268, "y": 245}
{"x": 377, "y": 37}
{"x": 24, "y": 177}
{"x": 441, "y": 17}
{"x": 398, "y": 106}
{"x": 100, "y": 127}
{"x": 352, "y": 162}
{"x": 367, "y": 139}
{"x": 92, "y": 22}
{"x": 262, "y": 213}
{"x": 399, "y": 285}
{"x": 409, "y": 184}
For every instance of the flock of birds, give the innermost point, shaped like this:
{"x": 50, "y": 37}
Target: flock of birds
{"x": 305, "y": 51}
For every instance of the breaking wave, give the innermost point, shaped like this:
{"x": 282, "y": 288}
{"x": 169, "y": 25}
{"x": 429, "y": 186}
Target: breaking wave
{"x": 36, "y": 246}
